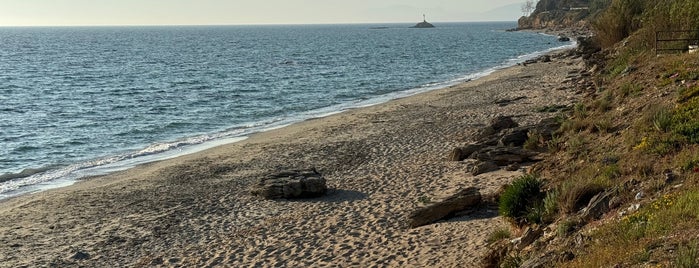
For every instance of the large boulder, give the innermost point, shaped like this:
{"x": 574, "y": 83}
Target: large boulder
{"x": 441, "y": 209}
{"x": 306, "y": 183}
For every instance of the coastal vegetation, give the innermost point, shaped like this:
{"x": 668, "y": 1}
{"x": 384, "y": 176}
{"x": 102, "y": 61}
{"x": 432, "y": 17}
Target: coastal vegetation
{"x": 631, "y": 145}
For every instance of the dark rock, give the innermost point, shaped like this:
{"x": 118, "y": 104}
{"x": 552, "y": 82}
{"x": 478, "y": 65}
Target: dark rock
{"x": 485, "y": 133}
{"x": 503, "y": 156}
{"x": 529, "y": 236}
{"x": 545, "y": 58}
{"x": 456, "y": 155}
{"x": 563, "y": 38}
{"x": 505, "y": 102}
{"x": 462, "y": 200}
{"x": 484, "y": 167}
{"x": 598, "y": 205}
{"x": 291, "y": 184}
{"x": 512, "y": 167}
{"x": 514, "y": 137}
{"x": 80, "y": 256}
{"x": 461, "y": 153}
{"x": 502, "y": 122}
{"x": 669, "y": 176}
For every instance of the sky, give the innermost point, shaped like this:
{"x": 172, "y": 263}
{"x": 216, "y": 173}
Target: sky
{"x": 235, "y": 12}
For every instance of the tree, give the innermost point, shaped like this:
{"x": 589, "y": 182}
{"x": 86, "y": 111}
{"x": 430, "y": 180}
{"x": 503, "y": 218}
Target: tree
{"x": 528, "y": 7}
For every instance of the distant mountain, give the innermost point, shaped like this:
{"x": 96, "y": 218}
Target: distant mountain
{"x": 509, "y": 12}
{"x": 504, "y": 13}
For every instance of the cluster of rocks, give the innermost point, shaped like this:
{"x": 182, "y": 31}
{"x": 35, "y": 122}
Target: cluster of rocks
{"x": 580, "y": 81}
{"x": 499, "y": 144}
{"x": 543, "y": 58}
{"x": 290, "y": 184}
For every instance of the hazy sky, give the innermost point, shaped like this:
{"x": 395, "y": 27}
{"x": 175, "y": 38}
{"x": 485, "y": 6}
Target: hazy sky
{"x": 198, "y": 12}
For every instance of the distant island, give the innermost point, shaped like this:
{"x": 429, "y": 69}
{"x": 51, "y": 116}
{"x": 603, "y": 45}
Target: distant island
{"x": 423, "y": 24}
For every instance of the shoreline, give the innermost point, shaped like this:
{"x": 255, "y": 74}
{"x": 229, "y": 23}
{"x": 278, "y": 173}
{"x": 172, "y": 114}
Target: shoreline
{"x": 47, "y": 178}
{"x": 195, "y": 210}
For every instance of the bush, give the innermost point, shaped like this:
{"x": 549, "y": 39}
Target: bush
{"x": 499, "y": 234}
{"x": 686, "y": 120}
{"x": 618, "y": 21}
{"x": 687, "y": 256}
{"x": 575, "y": 195}
{"x": 521, "y": 198}
{"x": 550, "y": 206}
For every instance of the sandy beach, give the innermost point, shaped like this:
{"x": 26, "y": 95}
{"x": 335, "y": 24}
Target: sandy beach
{"x": 380, "y": 161}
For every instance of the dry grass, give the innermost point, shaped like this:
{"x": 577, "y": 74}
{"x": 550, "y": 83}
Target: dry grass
{"x": 627, "y": 241}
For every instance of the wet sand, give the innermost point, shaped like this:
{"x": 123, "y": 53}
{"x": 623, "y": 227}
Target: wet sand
{"x": 380, "y": 161}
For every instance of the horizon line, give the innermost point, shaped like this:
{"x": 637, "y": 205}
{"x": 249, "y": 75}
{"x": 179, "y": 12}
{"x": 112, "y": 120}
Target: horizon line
{"x": 240, "y": 24}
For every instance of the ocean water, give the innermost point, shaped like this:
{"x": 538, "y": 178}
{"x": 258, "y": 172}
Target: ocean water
{"x": 79, "y": 101}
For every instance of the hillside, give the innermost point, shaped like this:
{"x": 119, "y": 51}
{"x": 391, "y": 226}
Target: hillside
{"x": 559, "y": 14}
{"x": 620, "y": 182}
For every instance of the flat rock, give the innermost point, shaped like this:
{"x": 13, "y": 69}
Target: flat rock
{"x": 503, "y": 156}
{"x": 483, "y": 167}
{"x": 441, "y": 209}
{"x": 306, "y": 183}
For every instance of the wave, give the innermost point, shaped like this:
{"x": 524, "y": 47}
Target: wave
{"x": 24, "y": 173}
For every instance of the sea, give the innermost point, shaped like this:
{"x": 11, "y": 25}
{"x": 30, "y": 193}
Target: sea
{"x": 84, "y": 101}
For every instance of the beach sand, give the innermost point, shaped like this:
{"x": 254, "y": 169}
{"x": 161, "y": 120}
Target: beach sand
{"x": 380, "y": 161}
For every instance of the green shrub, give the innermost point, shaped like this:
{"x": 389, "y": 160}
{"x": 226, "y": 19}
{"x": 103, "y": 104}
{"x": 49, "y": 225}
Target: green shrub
{"x": 685, "y": 120}
{"x": 630, "y": 89}
{"x": 566, "y": 227}
{"x": 611, "y": 172}
{"x": 520, "y": 198}
{"x": 499, "y": 234}
{"x": 688, "y": 93}
{"x": 577, "y": 146}
{"x": 618, "y": 21}
{"x": 662, "y": 120}
{"x": 574, "y": 195}
{"x": 687, "y": 257}
{"x": 550, "y": 205}
{"x": 604, "y": 103}
{"x": 579, "y": 110}
{"x": 603, "y": 125}
{"x": 511, "y": 262}
{"x": 534, "y": 141}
